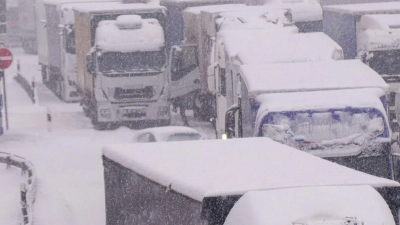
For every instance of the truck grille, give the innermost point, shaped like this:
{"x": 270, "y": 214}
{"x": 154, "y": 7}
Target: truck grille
{"x": 141, "y": 93}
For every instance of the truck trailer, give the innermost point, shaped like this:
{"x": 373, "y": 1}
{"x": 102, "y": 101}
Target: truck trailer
{"x": 199, "y": 182}
{"x": 121, "y": 63}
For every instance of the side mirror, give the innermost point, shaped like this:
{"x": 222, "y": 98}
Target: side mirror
{"x": 89, "y": 63}
{"x": 230, "y": 122}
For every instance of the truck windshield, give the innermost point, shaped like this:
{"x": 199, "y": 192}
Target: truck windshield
{"x": 322, "y": 130}
{"x": 386, "y": 62}
{"x": 136, "y": 62}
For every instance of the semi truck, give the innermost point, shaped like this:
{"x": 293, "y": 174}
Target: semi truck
{"x": 334, "y": 109}
{"x": 261, "y": 47}
{"x": 190, "y": 80}
{"x": 343, "y": 24}
{"x": 61, "y": 67}
{"x": 27, "y": 26}
{"x": 239, "y": 181}
{"x": 121, "y": 63}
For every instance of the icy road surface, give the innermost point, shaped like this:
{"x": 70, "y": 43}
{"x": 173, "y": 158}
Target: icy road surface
{"x": 67, "y": 160}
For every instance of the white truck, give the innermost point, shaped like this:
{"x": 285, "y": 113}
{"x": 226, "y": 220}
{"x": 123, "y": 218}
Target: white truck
{"x": 261, "y": 47}
{"x": 189, "y": 62}
{"x": 335, "y": 109}
{"x": 121, "y": 63}
{"x": 343, "y": 23}
{"x": 61, "y": 67}
{"x": 378, "y": 45}
{"x": 239, "y": 181}
{"x": 27, "y": 26}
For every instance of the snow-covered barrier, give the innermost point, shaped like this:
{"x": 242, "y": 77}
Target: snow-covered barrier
{"x": 29, "y": 89}
{"x": 28, "y": 184}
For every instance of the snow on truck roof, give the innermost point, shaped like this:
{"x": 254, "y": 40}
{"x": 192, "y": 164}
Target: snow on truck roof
{"x": 200, "y": 169}
{"x": 112, "y": 35}
{"x": 310, "y": 76}
{"x": 107, "y": 7}
{"x": 384, "y": 22}
{"x": 357, "y": 9}
{"x": 309, "y": 204}
{"x": 320, "y": 100}
{"x": 261, "y": 48}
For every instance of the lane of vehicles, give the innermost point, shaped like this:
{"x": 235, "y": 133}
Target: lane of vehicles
{"x": 366, "y": 34}
{"x": 121, "y": 63}
{"x": 239, "y": 181}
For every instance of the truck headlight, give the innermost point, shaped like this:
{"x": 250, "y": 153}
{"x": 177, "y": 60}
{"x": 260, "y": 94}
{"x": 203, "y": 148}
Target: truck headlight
{"x": 105, "y": 113}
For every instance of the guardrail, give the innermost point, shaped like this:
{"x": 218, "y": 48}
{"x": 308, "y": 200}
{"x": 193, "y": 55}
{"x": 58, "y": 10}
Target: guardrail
{"x": 27, "y": 186}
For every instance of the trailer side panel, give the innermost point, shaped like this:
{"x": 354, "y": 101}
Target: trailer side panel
{"x": 134, "y": 199}
{"x": 342, "y": 29}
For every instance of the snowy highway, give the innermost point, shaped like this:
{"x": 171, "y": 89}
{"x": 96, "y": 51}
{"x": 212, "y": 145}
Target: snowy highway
{"x": 67, "y": 160}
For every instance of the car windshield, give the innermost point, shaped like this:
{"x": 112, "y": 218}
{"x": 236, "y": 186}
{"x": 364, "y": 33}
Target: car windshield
{"x": 185, "y": 137}
{"x": 137, "y": 62}
{"x": 316, "y": 130}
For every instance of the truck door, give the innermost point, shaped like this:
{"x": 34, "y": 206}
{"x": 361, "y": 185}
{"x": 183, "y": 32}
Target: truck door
{"x": 183, "y": 70}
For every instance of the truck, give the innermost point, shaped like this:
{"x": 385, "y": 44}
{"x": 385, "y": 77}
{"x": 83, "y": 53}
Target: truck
{"x": 261, "y": 47}
{"x": 378, "y": 46}
{"x": 343, "y": 24}
{"x": 334, "y": 109}
{"x": 61, "y": 67}
{"x": 121, "y": 63}
{"x": 175, "y": 23}
{"x": 26, "y": 25}
{"x": 191, "y": 81}
{"x": 211, "y": 181}
{"x": 41, "y": 38}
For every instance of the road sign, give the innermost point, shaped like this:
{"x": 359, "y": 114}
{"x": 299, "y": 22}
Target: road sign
{"x": 6, "y": 58}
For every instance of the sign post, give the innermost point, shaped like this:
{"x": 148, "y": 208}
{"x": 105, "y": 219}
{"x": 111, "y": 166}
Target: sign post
{"x": 6, "y": 59}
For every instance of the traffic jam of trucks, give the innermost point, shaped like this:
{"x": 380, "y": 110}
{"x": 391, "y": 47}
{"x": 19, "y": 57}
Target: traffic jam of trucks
{"x": 304, "y": 99}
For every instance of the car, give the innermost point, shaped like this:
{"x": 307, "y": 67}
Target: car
{"x": 169, "y": 133}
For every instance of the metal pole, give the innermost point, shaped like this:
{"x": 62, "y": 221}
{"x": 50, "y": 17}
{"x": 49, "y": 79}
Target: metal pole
{"x": 5, "y": 97}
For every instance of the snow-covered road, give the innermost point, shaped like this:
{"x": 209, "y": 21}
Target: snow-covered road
{"x": 68, "y": 159}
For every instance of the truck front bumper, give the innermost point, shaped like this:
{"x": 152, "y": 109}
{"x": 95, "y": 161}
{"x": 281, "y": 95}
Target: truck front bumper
{"x": 126, "y": 112}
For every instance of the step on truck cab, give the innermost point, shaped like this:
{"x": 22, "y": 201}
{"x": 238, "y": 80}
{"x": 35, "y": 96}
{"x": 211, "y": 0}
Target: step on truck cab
{"x": 336, "y": 110}
{"x": 191, "y": 80}
{"x": 365, "y": 34}
{"x": 61, "y": 72}
{"x": 198, "y": 183}
{"x": 121, "y": 63}
{"x": 261, "y": 47}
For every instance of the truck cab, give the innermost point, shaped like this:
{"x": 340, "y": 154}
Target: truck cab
{"x": 121, "y": 63}
{"x": 261, "y": 47}
{"x": 311, "y": 206}
{"x": 318, "y": 107}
